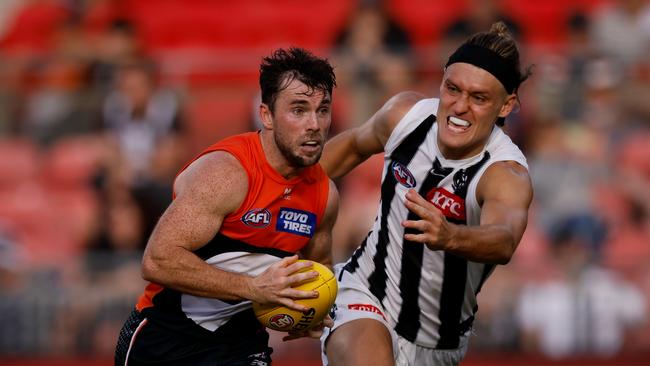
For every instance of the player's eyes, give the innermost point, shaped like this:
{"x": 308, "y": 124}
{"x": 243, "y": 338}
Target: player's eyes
{"x": 452, "y": 89}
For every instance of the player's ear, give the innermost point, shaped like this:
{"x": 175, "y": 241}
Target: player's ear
{"x": 508, "y": 105}
{"x": 266, "y": 116}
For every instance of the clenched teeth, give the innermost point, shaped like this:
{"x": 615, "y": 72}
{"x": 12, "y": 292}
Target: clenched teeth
{"x": 458, "y": 122}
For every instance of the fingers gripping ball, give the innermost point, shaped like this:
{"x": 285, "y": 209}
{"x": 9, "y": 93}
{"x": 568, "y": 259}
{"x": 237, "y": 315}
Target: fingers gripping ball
{"x": 278, "y": 317}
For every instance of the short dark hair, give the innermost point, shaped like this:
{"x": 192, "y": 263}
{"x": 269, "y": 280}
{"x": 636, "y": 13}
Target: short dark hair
{"x": 283, "y": 66}
{"x": 499, "y": 40}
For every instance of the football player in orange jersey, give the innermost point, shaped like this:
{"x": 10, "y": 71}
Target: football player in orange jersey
{"x": 243, "y": 212}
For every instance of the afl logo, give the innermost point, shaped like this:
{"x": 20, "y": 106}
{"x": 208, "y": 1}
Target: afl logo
{"x": 257, "y": 217}
{"x": 281, "y": 321}
{"x": 403, "y": 175}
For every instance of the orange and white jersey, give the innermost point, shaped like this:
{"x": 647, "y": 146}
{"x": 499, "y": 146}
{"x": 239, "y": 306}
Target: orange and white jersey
{"x": 277, "y": 218}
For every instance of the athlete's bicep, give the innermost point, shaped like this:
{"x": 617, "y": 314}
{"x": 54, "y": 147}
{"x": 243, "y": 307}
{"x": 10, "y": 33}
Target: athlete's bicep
{"x": 319, "y": 248}
{"x": 348, "y": 149}
{"x": 208, "y": 190}
{"x": 505, "y": 193}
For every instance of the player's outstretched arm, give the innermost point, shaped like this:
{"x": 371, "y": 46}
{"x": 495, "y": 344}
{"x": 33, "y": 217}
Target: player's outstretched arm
{"x": 209, "y": 189}
{"x": 350, "y": 148}
{"x": 504, "y": 193}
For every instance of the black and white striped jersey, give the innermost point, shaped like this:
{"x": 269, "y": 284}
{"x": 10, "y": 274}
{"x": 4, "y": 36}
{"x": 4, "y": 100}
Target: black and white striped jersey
{"x": 429, "y": 296}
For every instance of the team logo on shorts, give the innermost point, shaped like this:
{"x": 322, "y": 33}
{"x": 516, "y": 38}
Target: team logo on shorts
{"x": 402, "y": 174}
{"x": 367, "y": 307}
{"x": 333, "y": 312}
{"x": 281, "y": 321}
{"x": 297, "y": 222}
{"x": 257, "y": 218}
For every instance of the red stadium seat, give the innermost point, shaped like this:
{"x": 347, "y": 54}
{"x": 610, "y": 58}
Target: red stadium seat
{"x": 224, "y": 24}
{"x": 99, "y": 15}
{"x": 545, "y": 22}
{"x": 627, "y": 250}
{"x": 635, "y": 154}
{"x": 426, "y": 19}
{"x": 33, "y": 27}
{"x": 218, "y": 112}
{"x": 73, "y": 162}
{"x": 37, "y": 221}
{"x": 19, "y": 162}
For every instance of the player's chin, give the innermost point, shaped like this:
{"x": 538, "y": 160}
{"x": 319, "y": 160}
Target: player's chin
{"x": 309, "y": 159}
{"x": 456, "y": 141}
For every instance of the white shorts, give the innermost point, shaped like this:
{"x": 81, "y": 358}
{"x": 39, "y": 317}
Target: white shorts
{"x": 355, "y": 301}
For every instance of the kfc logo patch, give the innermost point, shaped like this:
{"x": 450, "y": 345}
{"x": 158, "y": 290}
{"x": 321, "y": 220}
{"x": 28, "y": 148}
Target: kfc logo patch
{"x": 451, "y": 205}
{"x": 402, "y": 174}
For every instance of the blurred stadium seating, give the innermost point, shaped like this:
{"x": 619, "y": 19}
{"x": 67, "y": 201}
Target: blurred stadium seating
{"x": 68, "y": 278}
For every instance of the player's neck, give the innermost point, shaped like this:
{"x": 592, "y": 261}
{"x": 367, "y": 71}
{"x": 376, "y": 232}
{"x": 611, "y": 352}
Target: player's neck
{"x": 276, "y": 159}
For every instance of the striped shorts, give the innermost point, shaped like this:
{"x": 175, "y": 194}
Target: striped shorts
{"x": 355, "y": 301}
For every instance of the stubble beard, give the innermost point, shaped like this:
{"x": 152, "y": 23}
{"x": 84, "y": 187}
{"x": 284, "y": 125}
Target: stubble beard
{"x": 294, "y": 159}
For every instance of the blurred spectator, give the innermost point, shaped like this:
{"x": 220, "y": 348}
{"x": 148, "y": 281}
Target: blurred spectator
{"x": 55, "y": 107}
{"x": 116, "y": 46}
{"x": 602, "y": 110}
{"x": 573, "y": 157}
{"x": 578, "y": 52}
{"x": 622, "y": 30}
{"x": 143, "y": 121}
{"x": 566, "y": 163}
{"x": 582, "y": 309}
{"x": 480, "y": 15}
{"x": 12, "y": 258}
{"x": 628, "y": 250}
{"x": 374, "y": 59}
{"x": 112, "y": 262}
{"x": 139, "y": 115}
{"x": 154, "y": 194}
{"x": 121, "y": 235}
{"x": 52, "y": 86}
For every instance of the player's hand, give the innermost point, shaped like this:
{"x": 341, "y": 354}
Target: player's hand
{"x": 314, "y": 332}
{"x": 275, "y": 285}
{"x": 432, "y": 228}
